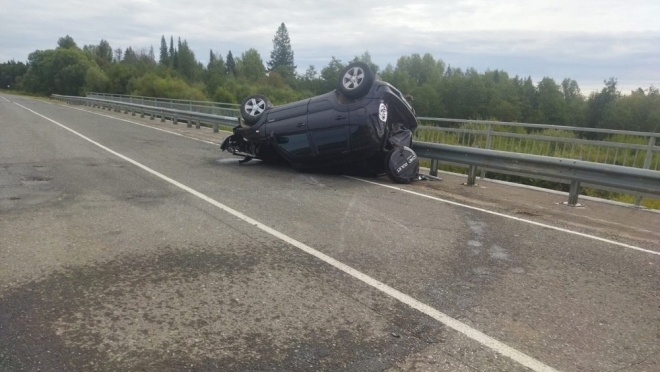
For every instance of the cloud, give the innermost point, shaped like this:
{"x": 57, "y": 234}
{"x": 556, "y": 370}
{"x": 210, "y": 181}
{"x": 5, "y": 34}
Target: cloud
{"x": 586, "y": 40}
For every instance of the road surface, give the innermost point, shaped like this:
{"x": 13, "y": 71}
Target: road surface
{"x": 133, "y": 245}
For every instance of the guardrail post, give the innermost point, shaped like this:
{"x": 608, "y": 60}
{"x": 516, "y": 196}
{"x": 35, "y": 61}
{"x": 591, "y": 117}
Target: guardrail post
{"x": 574, "y": 193}
{"x": 174, "y": 121}
{"x": 434, "y": 168}
{"x": 198, "y": 124}
{"x": 472, "y": 175}
{"x": 488, "y": 143}
{"x": 189, "y": 123}
{"x": 153, "y": 116}
{"x": 132, "y": 112}
{"x": 142, "y": 114}
{"x": 647, "y": 165}
{"x": 215, "y": 127}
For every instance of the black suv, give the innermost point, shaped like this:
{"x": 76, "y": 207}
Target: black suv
{"x": 364, "y": 124}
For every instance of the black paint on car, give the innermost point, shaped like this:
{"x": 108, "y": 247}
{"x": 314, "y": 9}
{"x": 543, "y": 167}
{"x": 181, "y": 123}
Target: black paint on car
{"x": 365, "y": 125}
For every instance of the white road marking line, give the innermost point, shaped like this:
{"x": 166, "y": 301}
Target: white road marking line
{"x": 146, "y": 126}
{"x": 6, "y": 99}
{"x": 510, "y": 217}
{"x": 448, "y": 321}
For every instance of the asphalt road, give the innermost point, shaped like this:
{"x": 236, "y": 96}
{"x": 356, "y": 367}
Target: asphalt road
{"x": 167, "y": 255}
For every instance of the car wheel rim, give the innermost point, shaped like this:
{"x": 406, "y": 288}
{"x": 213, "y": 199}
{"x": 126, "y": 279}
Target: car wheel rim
{"x": 353, "y": 78}
{"x": 255, "y": 106}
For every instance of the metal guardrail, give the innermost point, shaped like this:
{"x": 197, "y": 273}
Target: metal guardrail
{"x": 213, "y": 108}
{"x": 616, "y": 147}
{"x": 641, "y": 182}
{"x": 601, "y": 176}
{"x": 175, "y": 115}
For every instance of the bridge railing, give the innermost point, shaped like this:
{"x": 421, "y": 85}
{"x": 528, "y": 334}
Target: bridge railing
{"x": 559, "y": 165}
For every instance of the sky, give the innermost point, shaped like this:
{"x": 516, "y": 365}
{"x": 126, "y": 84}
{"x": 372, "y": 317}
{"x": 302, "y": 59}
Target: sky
{"x": 585, "y": 40}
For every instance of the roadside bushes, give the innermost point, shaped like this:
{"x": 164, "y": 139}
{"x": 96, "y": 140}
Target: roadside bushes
{"x": 152, "y": 85}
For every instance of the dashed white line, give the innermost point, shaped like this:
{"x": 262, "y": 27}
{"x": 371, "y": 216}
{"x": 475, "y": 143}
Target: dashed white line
{"x": 510, "y": 217}
{"x": 450, "y": 322}
{"x": 6, "y": 99}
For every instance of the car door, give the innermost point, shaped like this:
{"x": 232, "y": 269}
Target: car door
{"x": 286, "y": 126}
{"x": 328, "y": 125}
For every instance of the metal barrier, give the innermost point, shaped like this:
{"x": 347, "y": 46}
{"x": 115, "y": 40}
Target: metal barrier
{"x": 616, "y": 147}
{"x": 641, "y": 182}
{"x": 175, "y": 115}
{"x": 601, "y": 176}
{"x": 213, "y": 108}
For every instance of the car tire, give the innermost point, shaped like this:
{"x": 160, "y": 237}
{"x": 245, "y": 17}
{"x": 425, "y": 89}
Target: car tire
{"x": 355, "y": 80}
{"x": 402, "y": 165}
{"x": 253, "y": 107}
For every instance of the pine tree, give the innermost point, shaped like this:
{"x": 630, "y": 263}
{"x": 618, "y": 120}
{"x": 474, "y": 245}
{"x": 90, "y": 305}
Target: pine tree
{"x": 171, "y": 52}
{"x": 231, "y": 64}
{"x": 281, "y": 58}
{"x": 164, "y": 55}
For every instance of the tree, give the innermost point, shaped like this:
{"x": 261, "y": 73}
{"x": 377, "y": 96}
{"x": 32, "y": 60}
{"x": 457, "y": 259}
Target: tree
{"x": 164, "y": 55}
{"x": 600, "y": 103}
{"x": 215, "y": 74}
{"x": 66, "y": 43}
{"x": 171, "y": 52}
{"x": 118, "y": 55}
{"x": 96, "y": 80}
{"x": 11, "y": 74}
{"x": 186, "y": 62}
{"x": 330, "y": 73}
{"x": 130, "y": 56}
{"x": 366, "y": 58}
{"x": 552, "y": 105}
{"x": 104, "y": 52}
{"x": 310, "y": 73}
{"x": 575, "y": 103}
{"x": 60, "y": 71}
{"x": 216, "y": 64}
{"x": 251, "y": 65}
{"x": 231, "y": 64}
{"x": 281, "y": 57}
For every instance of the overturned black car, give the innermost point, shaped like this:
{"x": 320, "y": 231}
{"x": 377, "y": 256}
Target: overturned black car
{"x": 365, "y": 125}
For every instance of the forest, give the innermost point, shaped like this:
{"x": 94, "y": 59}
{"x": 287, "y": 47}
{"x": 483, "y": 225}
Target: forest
{"x": 439, "y": 89}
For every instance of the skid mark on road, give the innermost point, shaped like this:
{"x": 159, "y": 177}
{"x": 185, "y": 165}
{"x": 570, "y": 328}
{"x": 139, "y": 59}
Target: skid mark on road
{"x": 443, "y": 318}
{"x": 593, "y": 237}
